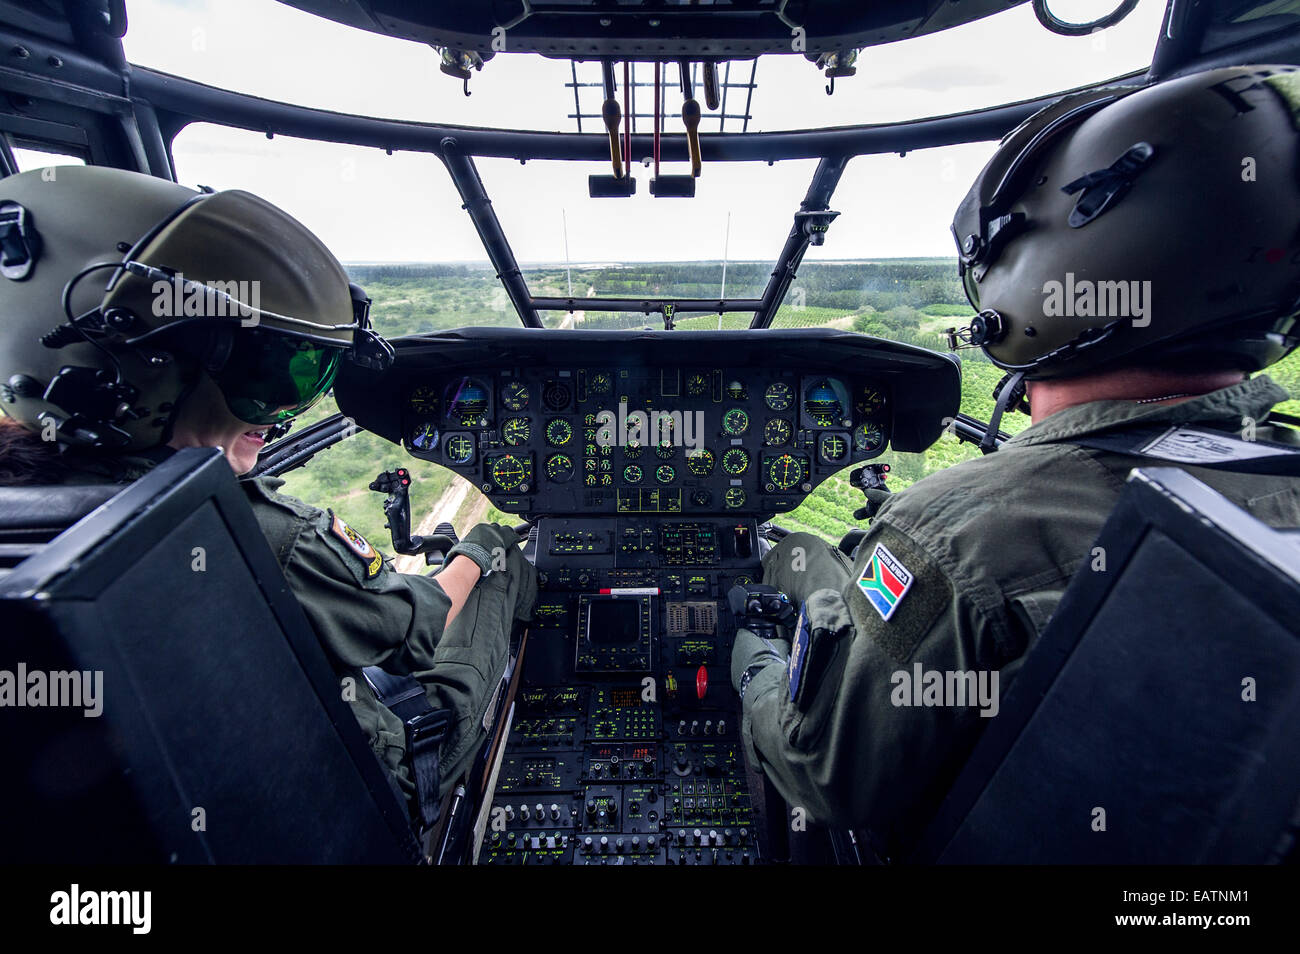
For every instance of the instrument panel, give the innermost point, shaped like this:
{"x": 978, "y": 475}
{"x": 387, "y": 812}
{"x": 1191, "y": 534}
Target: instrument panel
{"x": 638, "y": 440}
{"x": 635, "y": 423}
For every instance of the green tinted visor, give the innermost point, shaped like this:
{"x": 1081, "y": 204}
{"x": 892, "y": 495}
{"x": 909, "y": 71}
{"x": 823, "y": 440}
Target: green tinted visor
{"x": 269, "y": 378}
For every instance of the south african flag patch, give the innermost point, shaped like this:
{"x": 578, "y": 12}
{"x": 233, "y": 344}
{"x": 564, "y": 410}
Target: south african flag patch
{"x": 884, "y": 581}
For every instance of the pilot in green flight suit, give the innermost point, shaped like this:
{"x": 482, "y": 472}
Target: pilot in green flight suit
{"x": 156, "y": 361}
{"x": 962, "y": 571}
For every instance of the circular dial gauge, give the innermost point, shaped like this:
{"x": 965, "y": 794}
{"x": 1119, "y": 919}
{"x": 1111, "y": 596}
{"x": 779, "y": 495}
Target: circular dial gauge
{"x": 425, "y": 437}
{"x": 555, "y": 395}
{"x": 599, "y": 383}
{"x": 868, "y": 437}
{"x": 777, "y": 431}
{"x": 467, "y": 403}
{"x": 735, "y": 461}
{"x": 734, "y": 497}
{"x": 509, "y": 471}
{"x": 735, "y": 421}
{"x": 869, "y": 400}
{"x": 558, "y": 432}
{"x": 778, "y": 395}
{"x": 784, "y": 472}
{"x": 633, "y": 473}
{"x": 665, "y": 450}
{"x": 459, "y": 449}
{"x": 632, "y": 450}
{"x": 514, "y": 395}
{"x": 696, "y": 384}
{"x": 700, "y": 462}
{"x": 701, "y": 498}
{"x": 516, "y": 431}
{"x": 663, "y": 427}
{"x": 424, "y": 400}
{"x": 822, "y": 403}
{"x": 665, "y": 473}
{"x": 832, "y": 447}
{"x": 559, "y": 467}
{"x": 737, "y": 391}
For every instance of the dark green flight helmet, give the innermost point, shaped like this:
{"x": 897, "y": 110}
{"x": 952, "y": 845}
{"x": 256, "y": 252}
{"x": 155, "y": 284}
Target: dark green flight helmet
{"x": 1131, "y": 225}
{"x": 117, "y": 290}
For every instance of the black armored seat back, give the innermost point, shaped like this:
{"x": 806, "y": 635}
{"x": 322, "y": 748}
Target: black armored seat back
{"x": 186, "y": 711}
{"x": 1155, "y": 720}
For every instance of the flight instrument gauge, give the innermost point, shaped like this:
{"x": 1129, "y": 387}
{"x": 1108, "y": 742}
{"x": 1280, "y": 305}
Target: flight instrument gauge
{"x": 425, "y": 437}
{"x": 514, "y": 395}
{"x": 778, "y": 395}
{"x": 868, "y": 437}
{"x": 735, "y": 422}
{"x": 633, "y": 473}
{"x": 735, "y": 461}
{"x": 459, "y": 449}
{"x": 559, "y": 468}
{"x": 467, "y": 403}
{"x": 665, "y": 473}
{"x": 784, "y": 472}
{"x": 777, "y": 431}
{"x": 822, "y": 403}
{"x": 516, "y": 431}
{"x": 700, "y": 462}
{"x": 737, "y": 391}
{"x": 666, "y": 450}
{"x": 869, "y": 400}
{"x": 734, "y": 497}
{"x": 600, "y": 383}
{"x": 558, "y": 432}
{"x": 509, "y": 472}
{"x": 556, "y": 395}
{"x": 424, "y": 400}
{"x": 696, "y": 384}
{"x": 833, "y": 448}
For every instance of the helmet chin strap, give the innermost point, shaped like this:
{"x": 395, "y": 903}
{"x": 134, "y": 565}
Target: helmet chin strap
{"x": 1010, "y": 392}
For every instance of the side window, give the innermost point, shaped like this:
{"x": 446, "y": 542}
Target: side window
{"x": 338, "y": 478}
{"x": 30, "y": 155}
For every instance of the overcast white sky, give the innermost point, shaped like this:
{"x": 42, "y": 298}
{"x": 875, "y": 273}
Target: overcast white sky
{"x": 371, "y": 207}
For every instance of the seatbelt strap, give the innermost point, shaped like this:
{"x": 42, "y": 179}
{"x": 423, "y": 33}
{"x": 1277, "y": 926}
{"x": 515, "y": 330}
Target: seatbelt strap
{"x": 425, "y": 726}
{"x": 1191, "y": 446}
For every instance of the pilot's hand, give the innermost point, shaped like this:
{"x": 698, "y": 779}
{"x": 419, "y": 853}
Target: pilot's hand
{"x": 751, "y": 652}
{"x": 486, "y": 544}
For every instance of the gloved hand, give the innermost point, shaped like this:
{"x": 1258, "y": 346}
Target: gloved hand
{"x": 751, "y": 650}
{"x": 481, "y": 543}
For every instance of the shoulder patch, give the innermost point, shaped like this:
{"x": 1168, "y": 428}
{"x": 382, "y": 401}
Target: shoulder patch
{"x": 368, "y": 555}
{"x": 884, "y": 581}
{"x": 798, "y": 654}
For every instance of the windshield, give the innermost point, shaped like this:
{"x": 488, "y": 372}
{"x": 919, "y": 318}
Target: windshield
{"x": 240, "y": 45}
{"x": 886, "y": 269}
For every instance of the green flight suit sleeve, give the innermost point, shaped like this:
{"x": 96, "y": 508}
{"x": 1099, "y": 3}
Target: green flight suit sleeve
{"x": 839, "y": 732}
{"x": 365, "y": 613}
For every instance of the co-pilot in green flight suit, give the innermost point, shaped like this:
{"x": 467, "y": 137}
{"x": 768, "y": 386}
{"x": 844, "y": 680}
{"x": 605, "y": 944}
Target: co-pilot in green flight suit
{"x": 989, "y": 546}
{"x": 367, "y": 614}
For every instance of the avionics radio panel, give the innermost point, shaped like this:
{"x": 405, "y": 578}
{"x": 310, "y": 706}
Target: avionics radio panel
{"x": 625, "y": 747}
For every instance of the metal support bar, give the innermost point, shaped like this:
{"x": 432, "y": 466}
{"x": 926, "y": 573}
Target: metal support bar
{"x": 180, "y": 101}
{"x": 818, "y": 198}
{"x": 1180, "y": 36}
{"x": 709, "y": 306}
{"x": 476, "y": 202}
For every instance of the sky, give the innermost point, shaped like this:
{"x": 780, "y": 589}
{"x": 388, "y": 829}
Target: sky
{"x": 368, "y": 206}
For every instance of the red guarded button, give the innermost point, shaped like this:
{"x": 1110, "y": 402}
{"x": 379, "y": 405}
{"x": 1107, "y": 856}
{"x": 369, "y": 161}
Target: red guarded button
{"x": 702, "y": 682}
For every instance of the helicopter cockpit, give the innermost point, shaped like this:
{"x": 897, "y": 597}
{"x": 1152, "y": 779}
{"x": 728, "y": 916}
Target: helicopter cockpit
{"x": 652, "y": 438}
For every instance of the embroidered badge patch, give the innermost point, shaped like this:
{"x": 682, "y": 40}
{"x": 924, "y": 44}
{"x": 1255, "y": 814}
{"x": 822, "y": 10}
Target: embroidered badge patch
{"x": 798, "y": 654}
{"x": 884, "y": 581}
{"x": 358, "y": 545}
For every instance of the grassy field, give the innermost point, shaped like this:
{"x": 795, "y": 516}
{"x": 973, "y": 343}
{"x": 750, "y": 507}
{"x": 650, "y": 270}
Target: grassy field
{"x": 911, "y": 300}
